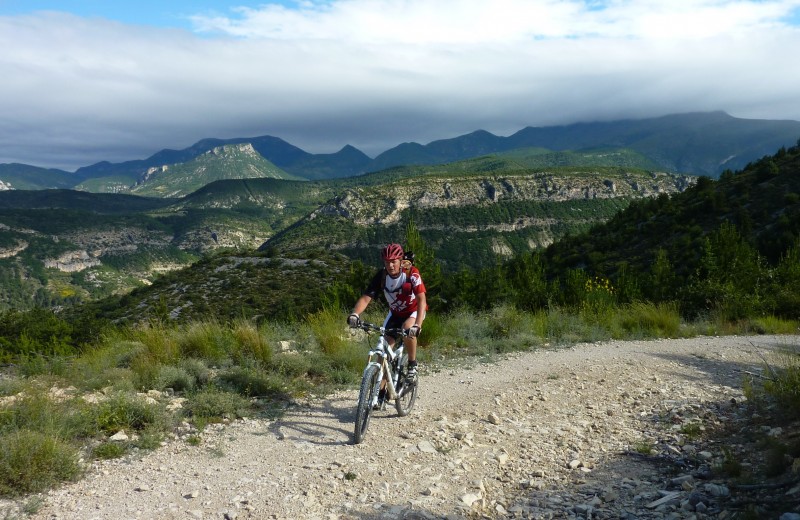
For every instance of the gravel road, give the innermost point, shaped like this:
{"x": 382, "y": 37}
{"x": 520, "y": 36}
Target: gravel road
{"x": 550, "y": 433}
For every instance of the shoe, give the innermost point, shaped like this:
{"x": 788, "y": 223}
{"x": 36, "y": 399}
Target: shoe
{"x": 411, "y": 375}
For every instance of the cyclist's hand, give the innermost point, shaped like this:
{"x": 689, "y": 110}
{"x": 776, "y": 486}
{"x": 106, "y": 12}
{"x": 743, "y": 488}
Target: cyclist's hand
{"x": 414, "y": 331}
{"x": 353, "y": 320}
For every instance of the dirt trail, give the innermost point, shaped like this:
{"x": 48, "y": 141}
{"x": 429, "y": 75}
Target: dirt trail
{"x": 540, "y": 434}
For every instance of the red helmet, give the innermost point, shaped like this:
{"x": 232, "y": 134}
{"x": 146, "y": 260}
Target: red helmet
{"x": 392, "y": 252}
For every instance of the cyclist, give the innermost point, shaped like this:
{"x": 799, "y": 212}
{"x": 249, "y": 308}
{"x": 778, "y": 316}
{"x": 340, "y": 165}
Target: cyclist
{"x": 404, "y": 291}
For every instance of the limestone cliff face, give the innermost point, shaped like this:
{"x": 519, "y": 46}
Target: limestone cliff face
{"x": 72, "y": 261}
{"x": 384, "y": 205}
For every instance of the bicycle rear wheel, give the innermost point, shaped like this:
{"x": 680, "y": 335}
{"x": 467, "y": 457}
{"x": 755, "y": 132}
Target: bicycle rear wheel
{"x": 406, "y": 392}
{"x": 365, "y": 396}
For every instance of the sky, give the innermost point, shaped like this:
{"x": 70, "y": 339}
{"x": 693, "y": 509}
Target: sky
{"x": 102, "y": 80}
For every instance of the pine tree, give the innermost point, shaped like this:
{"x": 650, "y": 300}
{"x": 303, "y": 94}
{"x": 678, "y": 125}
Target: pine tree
{"x": 425, "y": 261}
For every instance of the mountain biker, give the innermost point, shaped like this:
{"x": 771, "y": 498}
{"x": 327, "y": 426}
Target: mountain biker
{"x": 404, "y": 291}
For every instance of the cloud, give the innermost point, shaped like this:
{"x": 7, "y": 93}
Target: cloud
{"x": 374, "y": 73}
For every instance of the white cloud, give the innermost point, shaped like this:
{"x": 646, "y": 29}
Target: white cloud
{"x": 375, "y": 73}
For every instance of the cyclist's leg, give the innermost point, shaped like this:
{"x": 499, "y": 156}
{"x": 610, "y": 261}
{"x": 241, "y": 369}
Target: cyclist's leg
{"x": 409, "y": 342}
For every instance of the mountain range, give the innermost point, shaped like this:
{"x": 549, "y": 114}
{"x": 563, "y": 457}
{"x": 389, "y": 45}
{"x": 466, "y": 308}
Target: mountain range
{"x": 510, "y": 196}
{"x": 706, "y": 144}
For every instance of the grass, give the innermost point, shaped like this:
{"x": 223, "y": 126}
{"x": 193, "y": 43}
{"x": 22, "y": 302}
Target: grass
{"x": 231, "y": 370}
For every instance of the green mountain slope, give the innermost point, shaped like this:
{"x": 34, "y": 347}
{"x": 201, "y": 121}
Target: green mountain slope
{"x": 225, "y": 162}
{"x": 229, "y": 287}
{"x": 712, "y": 231}
{"x": 25, "y": 177}
{"x": 64, "y": 246}
{"x": 601, "y": 157}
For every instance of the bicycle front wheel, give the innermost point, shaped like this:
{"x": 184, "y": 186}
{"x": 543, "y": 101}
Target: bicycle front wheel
{"x": 365, "y": 396}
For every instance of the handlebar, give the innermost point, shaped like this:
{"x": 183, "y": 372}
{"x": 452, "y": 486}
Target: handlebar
{"x": 364, "y": 325}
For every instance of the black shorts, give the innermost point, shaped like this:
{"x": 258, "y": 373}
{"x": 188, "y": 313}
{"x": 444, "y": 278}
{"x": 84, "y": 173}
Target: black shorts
{"x": 394, "y": 322}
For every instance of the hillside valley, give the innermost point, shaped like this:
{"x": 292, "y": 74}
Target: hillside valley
{"x": 493, "y": 208}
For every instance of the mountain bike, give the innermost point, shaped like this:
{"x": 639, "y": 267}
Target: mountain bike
{"x": 385, "y": 365}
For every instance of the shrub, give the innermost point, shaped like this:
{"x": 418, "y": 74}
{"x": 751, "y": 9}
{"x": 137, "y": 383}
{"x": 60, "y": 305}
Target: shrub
{"x": 213, "y": 405}
{"x": 505, "y": 321}
{"x": 784, "y": 385}
{"x": 124, "y": 412}
{"x": 109, "y": 450}
{"x": 197, "y": 369}
{"x": 108, "y": 365}
{"x": 32, "y": 461}
{"x": 161, "y": 343}
{"x": 173, "y": 377}
{"x": 249, "y": 382}
{"x": 36, "y": 411}
{"x": 431, "y": 330}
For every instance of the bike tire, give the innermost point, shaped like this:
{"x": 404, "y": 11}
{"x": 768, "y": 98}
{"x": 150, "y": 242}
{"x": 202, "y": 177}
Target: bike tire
{"x": 407, "y": 393}
{"x": 368, "y": 383}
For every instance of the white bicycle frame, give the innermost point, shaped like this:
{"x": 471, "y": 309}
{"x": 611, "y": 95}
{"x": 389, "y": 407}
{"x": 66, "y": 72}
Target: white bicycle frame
{"x": 384, "y": 350}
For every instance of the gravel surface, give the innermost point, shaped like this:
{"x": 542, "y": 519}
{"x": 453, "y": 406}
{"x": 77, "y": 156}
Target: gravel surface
{"x": 551, "y": 433}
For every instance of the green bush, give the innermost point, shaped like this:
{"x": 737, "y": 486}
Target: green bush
{"x": 109, "y": 450}
{"x": 206, "y": 340}
{"x": 784, "y": 386}
{"x": 213, "y": 405}
{"x": 37, "y": 411}
{"x": 130, "y": 413}
{"x": 197, "y": 369}
{"x": 250, "y": 382}
{"x": 505, "y": 321}
{"x": 31, "y": 462}
{"x": 174, "y": 377}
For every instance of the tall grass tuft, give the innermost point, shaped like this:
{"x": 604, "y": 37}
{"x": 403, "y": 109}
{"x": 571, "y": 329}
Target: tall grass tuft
{"x": 251, "y": 344}
{"x": 328, "y": 330}
{"x": 649, "y": 320}
{"x": 784, "y": 386}
{"x": 251, "y": 382}
{"x": 208, "y": 340}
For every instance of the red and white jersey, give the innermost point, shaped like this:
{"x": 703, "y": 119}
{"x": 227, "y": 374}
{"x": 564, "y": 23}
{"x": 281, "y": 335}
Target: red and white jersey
{"x": 401, "y": 292}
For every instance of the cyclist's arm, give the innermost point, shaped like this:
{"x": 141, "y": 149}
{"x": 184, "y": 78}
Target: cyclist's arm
{"x": 361, "y": 304}
{"x": 373, "y": 289}
{"x": 421, "y": 306}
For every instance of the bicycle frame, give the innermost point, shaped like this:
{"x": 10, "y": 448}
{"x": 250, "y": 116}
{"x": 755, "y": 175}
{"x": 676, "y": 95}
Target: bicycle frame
{"x": 384, "y": 350}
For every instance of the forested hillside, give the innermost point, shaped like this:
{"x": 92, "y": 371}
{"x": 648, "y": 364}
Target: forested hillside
{"x": 730, "y": 247}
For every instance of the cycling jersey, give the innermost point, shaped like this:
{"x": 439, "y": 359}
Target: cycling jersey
{"x": 400, "y": 293}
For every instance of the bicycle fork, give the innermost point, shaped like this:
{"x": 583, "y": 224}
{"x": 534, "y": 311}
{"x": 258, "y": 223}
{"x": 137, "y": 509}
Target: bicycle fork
{"x": 383, "y": 374}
